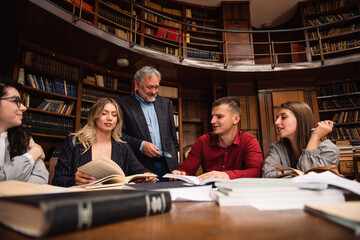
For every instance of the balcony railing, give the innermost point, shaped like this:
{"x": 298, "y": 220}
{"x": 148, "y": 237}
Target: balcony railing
{"x": 305, "y": 44}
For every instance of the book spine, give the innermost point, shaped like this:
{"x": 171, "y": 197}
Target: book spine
{"x": 71, "y": 215}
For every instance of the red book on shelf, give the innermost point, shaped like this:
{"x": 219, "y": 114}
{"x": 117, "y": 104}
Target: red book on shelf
{"x": 162, "y": 32}
{"x": 174, "y": 35}
{"x": 85, "y": 5}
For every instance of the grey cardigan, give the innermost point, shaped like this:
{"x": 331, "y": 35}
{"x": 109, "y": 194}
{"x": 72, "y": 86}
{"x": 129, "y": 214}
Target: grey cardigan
{"x": 327, "y": 154}
{"x": 23, "y": 168}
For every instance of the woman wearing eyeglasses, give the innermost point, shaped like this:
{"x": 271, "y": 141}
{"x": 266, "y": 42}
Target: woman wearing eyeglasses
{"x": 20, "y": 157}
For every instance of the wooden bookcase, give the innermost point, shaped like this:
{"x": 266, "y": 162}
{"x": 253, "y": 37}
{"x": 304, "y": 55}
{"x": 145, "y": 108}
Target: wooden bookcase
{"x": 340, "y": 102}
{"x": 200, "y": 41}
{"x": 333, "y": 39}
{"x": 173, "y": 92}
{"x": 236, "y": 16}
{"x": 160, "y": 33}
{"x": 54, "y": 77}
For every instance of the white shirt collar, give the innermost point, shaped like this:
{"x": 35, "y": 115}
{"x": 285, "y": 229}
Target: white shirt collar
{"x": 4, "y": 135}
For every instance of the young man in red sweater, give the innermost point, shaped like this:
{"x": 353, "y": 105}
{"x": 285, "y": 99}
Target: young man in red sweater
{"x": 226, "y": 152}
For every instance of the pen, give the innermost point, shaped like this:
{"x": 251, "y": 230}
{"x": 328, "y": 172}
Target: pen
{"x": 314, "y": 128}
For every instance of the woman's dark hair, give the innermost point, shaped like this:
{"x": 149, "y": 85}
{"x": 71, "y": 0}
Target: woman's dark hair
{"x": 18, "y": 136}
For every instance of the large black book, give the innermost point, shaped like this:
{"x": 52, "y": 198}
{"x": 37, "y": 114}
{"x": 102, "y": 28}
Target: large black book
{"x": 50, "y": 214}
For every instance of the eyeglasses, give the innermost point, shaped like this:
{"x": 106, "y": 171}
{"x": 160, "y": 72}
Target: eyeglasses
{"x": 16, "y": 100}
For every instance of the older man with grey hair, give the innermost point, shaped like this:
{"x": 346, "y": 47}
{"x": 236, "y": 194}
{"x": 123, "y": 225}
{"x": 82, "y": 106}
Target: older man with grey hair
{"x": 148, "y": 124}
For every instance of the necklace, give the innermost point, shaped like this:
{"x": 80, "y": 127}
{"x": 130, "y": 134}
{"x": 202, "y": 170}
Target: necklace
{"x": 103, "y": 147}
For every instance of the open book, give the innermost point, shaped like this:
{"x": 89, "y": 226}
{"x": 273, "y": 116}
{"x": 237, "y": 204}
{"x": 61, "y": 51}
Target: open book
{"x": 193, "y": 179}
{"x": 292, "y": 172}
{"x": 108, "y": 174}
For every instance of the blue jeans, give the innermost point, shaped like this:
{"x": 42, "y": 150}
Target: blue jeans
{"x": 160, "y": 168}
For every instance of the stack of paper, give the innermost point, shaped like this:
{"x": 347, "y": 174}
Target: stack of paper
{"x": 273, "y": 194}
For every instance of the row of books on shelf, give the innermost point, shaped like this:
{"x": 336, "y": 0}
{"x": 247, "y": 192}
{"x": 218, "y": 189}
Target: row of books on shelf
{"x": 53, "y": 85}
{"x": 169, "y": 33}
{"x": 170, "y": 92}
{"x": 84, "y": 4}
{"x": 316, "y": 7}
{"x": 343, "y": 133}
{"x": 115, "y": 17}
{"x": 328, "y": 46}
{"x": 116, "y": 31}
{"x": 161, "y": 20}
{"x": 94, "y": 94}
{"x": 330, "y": 18}
{"x": 49, "y": 65}
{"x": 201, "y": 24}
{"x": 56, "y": 106}
{"x": 176, "y": 120}
{"x": 327, "y": 104}
{"x": 333, "y": 31}
{"x": 202, "y": 54}
{"x": 158, "y": 7}
{"x": 48, "y": 124}
{"x": 346, "y": 117}
{"x": 116, "y": 7}
{"x": 164, "y": 49}
{"x": 107, "y": 81}
{"x": 339, "y": 88}
{"x": 196, "y": 38}
{"x": 191, "y": 13}
{"x": 84, "y": 110}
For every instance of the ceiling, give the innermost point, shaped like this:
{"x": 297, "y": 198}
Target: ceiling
{"x": 264, "y": 13}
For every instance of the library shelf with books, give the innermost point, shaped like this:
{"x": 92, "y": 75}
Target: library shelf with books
{"x": 158, "y": 32}
{"x": 87, "y": 8}
{"x": 172, "y": 91}
{"x": 100, "y": 83}
{"x": 340, "y": 102}
{"x": 50, "y": 91}
{"x": 59, "y": 90}
{"x": 202, "y": 41}
{"x": 116, "y": 17}
{"x": 341, "y": 33}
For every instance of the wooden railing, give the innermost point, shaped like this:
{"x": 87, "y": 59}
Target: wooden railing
{"x": 184, "y": 45}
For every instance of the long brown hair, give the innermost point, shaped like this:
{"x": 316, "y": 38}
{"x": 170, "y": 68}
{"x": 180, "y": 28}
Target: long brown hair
{"x": 305, "y": 122}
{"x": 87, "y": 135}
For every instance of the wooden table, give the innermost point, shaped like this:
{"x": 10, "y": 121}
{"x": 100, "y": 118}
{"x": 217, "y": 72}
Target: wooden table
{"x": 206, "y": 221}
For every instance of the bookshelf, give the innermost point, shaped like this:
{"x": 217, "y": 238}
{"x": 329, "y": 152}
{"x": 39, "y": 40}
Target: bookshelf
{"x": 59, "y": 90}
{"x": 159, "y": 33}
{"x": 73, "y": 6}
{"x": 116, "y": 17}
{"x": 340, "y": 102}
{"x": 335, "y": 38}
{"x": 173, "y": 92}
{"x": 200, "y": 41}
{"x": 236, "y": 16}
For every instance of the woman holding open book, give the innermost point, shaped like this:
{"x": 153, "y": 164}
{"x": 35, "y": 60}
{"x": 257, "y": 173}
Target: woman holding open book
{"x": 301, "y": 146}
{"x": 20, "y": 157}
{"x": 101, "y": 136}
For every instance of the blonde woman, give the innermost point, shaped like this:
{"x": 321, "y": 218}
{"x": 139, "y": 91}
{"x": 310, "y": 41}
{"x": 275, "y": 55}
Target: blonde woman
{"x": 100, "y": 136}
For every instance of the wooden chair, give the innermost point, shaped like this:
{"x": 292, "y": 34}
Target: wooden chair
{"x": 187, "y": 149}
{"x": 53, "y": 162}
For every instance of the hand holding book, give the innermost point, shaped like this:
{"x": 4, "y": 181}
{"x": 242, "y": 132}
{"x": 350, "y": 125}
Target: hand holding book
{"x": 103, "y": 170}
{"x": 292, "y": 172}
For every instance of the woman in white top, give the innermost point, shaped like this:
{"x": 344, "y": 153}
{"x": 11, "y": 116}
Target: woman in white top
{"x": 20, "y": 157}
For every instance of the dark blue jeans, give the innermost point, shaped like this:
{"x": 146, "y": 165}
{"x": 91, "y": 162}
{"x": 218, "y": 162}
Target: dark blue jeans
{"x": 160, "y": 168}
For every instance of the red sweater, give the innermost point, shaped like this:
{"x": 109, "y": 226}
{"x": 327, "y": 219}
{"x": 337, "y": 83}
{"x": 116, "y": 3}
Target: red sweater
{"x": 242, "y": 159}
